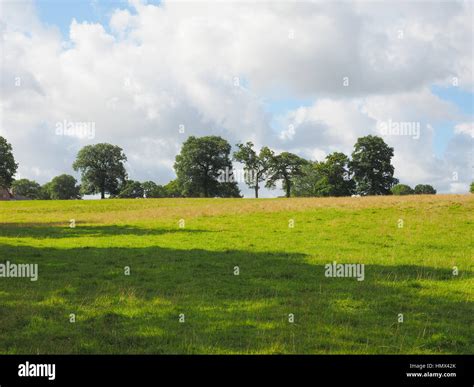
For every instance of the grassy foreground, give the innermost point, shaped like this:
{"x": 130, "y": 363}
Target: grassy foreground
{"x": 190, "y": 271}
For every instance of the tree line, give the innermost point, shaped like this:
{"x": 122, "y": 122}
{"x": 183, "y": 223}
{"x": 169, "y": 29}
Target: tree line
{"x": 204, "y": 168}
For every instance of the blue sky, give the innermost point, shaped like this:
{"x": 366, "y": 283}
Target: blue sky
{"x": 60, "y": 14}
{"x": 464, "y": 101}
{"x": 182, "y": 56}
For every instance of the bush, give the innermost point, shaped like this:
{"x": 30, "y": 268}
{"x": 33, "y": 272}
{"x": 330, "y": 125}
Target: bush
{"x": 153, "y": 190}
{"x": 131, "y": 189}
{"x": 173, "y": 189}
{"x": 402, "y": 189}
{"x": 424, "y": 189}
{"x": 28, "y": 189}
{"x": 63, "y": 187}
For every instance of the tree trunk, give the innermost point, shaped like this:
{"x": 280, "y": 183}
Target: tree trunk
{"x": 256, "y": 189}
{"x": 288, "y": 186}
{"x": 102, "y": 194}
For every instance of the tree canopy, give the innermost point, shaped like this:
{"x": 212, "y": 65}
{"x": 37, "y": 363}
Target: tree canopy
{"x": 63, "y": 187}
{"x": 102, "y": 168}
{"x": 27, "y": 188}
{"x": 371, "y": 166}
{"x": 131, "y": 189}
{"x": 256, "y": 165}
{"x": 204, "y": 169}
{"x": 286, "y": 167}
{"x": 424, "y": 189}
{"x": 199, "y": 164}
{"x": 402, "y": 189}
{"x": 153, "y": 190}
{"x": 326, "y": 178}
{"x": 8, "y": 166}
{"x": 311, "y": 182}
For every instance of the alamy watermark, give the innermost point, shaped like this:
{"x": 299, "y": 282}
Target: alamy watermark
{"x": 231, "y": 175}
{"x": 37, "y": 370}
{"x": 345, "y": 270}
{"x": 399, "y": 128}
{"x": 80, "y": 129}
{"x": 20, "y": 270}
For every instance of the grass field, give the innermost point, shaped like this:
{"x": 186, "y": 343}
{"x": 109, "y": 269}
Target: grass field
{"x": 190, "y": 271}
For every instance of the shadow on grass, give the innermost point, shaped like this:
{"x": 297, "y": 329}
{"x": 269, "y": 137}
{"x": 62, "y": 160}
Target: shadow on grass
{"x": 224, "y": 312}
{"x": 46, "y": 231}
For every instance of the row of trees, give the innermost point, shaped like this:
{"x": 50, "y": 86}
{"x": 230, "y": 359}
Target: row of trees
{"x": 420, "y": 189}
{"x": 200, "y": 164}
{"x": 204, "y": 169}
{"x": 62, "y": 187}
{"x": 369, "y": 172}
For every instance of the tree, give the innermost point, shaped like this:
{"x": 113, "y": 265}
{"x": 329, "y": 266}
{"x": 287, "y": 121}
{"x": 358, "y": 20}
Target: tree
{"x": 311, "y": 182}
{"x": 471, "y": 188}
{"x": 45, "y": 192}
{"x": 173, "y": 189}
{"x": 424, "y": 189}
{"x": 27, "y": 188}
{"x": 63, "y": 187}
{"x": 131, "y": 189}
{"x": 328, "y": 178}
{"x": 153, "y": 190}
{"x": 336, "y": 170}
{"x": 286, "y": 166}
{"x": 228, "y": 189}
{"x": 8, "y": 166}
{"x": 402, "y": 189}
{"x": 102, "y": 168}
{"x": 201, "y": 161}
{"x": 256, "y": 165}
{"x": 371, "y": 166}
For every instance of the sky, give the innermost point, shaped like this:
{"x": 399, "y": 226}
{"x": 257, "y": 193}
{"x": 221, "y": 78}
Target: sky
{"x": 303, "y": 77}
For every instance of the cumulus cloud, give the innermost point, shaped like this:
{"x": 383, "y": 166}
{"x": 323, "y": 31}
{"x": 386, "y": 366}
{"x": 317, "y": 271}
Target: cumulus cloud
{"x": 159, "y": 73}
{"x": 465, "y": 128}
{"x": 406, "y": 121}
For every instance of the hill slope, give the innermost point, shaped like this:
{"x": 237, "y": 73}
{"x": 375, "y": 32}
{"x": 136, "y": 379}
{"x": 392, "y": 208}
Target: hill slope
{"x": 183, "y": 294}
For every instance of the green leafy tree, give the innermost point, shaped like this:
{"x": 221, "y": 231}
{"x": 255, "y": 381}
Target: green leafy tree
{"x": 200, "y": 163}
{"x": 285, "y": 167}
{"x": 228, "y": 190}
{"x": 256, "y": 165}
{"x": 153, "y": 190}
{"x": 173, "y": 189}
{"x": 63, "y": 187}
{"x": 471, "y": 188}
{"x": 311, "y": 182}
{"x": 131, "y": 189}
{"x": 371, "y": 166}
{"x": 336, "y": 170}
{"x": 27, "y": 188}
{"x": 328, "y": 178}
{"x": 102, "y": 168}
{"x": 424, "y": 189}
{"x": 45, "y": 192}
{"x": 8, "y": 166}
{"x": 402, "y": 189}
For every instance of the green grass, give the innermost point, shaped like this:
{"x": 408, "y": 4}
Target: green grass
{"x": 190, "y": 270}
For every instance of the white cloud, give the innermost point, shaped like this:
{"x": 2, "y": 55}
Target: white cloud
{"x": 465, "y": 128}
{"x": 177, "y": 64}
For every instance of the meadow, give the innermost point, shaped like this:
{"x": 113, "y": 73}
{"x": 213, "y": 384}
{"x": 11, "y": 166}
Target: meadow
{"x": 182, "y": 294}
